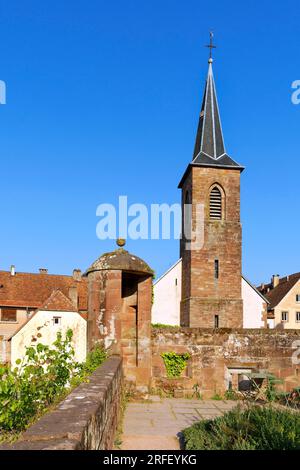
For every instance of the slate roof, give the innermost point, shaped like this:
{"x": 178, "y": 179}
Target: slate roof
{"x": 209, "y": 146}
{"x": 33, "y": 289}
{"x": 276, "y": 294}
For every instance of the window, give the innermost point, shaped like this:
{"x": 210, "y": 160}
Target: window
{"x": 298, "y": 298}
{"x": 284, "y": 316}
{"x": 215, "y": 204}
{"x": 297, "y": 317}
{"x": 216, "y": 269}
{"x": 176, "y": 281}
{"x": 56, "y": 321}
{"x": 9, "y": 314}
{"x": 187, "y": 217}
{"x": 216, "y": 321}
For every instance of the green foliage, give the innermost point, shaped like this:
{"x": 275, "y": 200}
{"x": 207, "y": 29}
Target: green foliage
{"x": 271, "y": 391}
{"x": 231, "y": 395}
{"x": 256, "y": 428}
{"x": 197, "y": 391}
{"x": 94, "y": 359}
{"x": 217, "y": 397}
{"x": 43, "y": 377}
{"x": 163, "y": 325}
{"x": 175, "y": 363}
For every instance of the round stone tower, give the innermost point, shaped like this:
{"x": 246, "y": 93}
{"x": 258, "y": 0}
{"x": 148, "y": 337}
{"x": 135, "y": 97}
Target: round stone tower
{"x": 119, "y": 311}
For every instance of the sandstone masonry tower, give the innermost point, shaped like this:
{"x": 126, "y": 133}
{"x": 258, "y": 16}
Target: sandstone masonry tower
{"x": 119, "y": 311}
{"x": 211, "y": 273}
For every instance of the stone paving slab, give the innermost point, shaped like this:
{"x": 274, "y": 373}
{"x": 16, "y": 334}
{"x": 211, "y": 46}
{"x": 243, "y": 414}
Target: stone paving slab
{"x": 150, "y": 442}
{"x": 158, "y": 425}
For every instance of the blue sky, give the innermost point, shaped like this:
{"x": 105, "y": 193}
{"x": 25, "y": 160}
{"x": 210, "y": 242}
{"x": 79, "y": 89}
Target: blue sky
{"x": 103, "y": 100}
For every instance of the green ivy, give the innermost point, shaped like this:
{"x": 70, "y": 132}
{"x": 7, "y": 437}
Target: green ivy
{"x": 175, "y": 363}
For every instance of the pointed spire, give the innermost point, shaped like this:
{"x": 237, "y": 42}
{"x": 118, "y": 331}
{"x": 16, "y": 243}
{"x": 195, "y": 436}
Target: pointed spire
{"x": 209, "y": 148}
{"x": 209, "y": 139}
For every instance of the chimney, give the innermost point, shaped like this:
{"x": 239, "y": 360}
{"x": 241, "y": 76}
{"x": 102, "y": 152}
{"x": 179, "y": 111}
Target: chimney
{"x": 77, "y": 274}
{"x": 73, "y": 296}
{"x": 275, "y": 280}
{"x": 12, "y": 270}
{"x": 43, "y": 271}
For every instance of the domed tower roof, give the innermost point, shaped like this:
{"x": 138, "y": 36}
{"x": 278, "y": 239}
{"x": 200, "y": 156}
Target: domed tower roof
{"x": 122, "y": 260}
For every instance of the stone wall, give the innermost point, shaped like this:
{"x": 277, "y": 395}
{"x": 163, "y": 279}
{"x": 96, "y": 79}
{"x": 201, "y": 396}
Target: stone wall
{"x": 215, "y": 353}
{"x": 86, "y": 420}
{"x": 203, "y": 295}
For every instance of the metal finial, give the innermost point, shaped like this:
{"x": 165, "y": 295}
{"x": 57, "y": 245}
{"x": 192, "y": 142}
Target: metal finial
{"x": 121, "y": 242}
{"x": 211, "y": 46}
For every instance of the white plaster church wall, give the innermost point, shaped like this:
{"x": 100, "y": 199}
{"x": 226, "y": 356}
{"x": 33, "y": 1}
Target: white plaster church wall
{"x": 253, "y": 306}
{"x": 167, "y": 296}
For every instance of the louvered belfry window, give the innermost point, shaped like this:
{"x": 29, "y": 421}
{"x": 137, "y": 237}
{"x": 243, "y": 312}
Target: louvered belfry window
{"x": 215, "y": 208}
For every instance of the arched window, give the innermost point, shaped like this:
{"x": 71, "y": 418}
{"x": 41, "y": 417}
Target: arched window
{"x": 215, "y": 204}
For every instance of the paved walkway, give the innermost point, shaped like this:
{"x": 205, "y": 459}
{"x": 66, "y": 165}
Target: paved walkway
{"x": 157, "y": 425}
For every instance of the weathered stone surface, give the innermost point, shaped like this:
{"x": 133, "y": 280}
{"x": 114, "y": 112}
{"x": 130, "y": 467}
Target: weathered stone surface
{"x": 86, "y": 420}
{"x": 213, "y": 351}
{"x": 120, "y": 260}
{"x": 204, "y": 295}
{"x": 119, "y": 315}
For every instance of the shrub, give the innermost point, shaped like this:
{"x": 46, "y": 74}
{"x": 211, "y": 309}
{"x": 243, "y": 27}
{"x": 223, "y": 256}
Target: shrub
{"x": 217, "y": 397}
{"x": 175, "y": 363}
{"x": 93, "y": 360}
{"x": 164, "y": 325}
{"x": 231, "y": 395}
{"x": 43, "y": 377}
{"x": 255, "y": 428}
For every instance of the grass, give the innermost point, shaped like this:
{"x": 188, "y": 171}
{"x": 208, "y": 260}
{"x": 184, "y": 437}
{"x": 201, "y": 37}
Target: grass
{"x": 126, "y": 395}
{"x": 254, "y": 428}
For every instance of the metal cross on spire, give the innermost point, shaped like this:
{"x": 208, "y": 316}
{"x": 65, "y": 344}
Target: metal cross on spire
{"x": 211, "y": 46}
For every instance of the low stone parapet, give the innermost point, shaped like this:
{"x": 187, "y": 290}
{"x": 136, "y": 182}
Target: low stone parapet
{"x": 86, "y": 420}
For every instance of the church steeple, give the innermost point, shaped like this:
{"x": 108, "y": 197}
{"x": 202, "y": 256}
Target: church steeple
{"x": 209, "y": 150}
{"x": 209, "y": 139}
{"x": 211, "y": 242}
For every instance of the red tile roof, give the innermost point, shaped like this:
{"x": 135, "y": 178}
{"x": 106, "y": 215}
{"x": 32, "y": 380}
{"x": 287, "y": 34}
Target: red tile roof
{"x": 58, "y": 302}
{"x": 32, "y": 290}
{"x": 276, "y": 294}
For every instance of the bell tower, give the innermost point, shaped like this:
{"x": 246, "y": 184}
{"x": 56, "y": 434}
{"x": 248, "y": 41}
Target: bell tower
{"x": 210, "y": 186}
